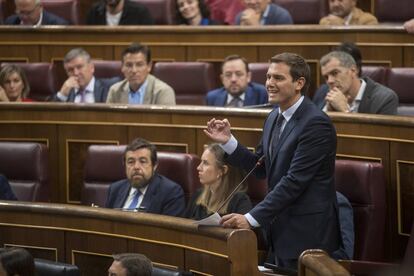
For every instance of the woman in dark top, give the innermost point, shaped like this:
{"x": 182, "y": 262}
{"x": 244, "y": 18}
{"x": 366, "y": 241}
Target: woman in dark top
{"x": 218, "y": 180}
{"x": 193, "y": 12}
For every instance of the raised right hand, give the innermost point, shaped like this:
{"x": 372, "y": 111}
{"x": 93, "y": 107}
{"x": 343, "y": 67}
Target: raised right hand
{"x": 218, "y": 130}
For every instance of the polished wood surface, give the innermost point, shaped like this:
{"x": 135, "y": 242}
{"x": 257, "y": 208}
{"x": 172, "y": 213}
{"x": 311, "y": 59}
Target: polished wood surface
{"x": 68, "y": 130}
{"x": 88, "y": 236}
{"x": 388, "y": 46}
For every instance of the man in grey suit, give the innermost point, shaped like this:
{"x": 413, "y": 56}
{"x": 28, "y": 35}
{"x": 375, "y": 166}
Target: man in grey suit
{"x": 139, "y": 86}
{"x": 350, "y": 93}
{"x": 81, "y": 86}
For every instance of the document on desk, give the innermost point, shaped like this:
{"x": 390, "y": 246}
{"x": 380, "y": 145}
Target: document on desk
{"x": 213, "y": 220}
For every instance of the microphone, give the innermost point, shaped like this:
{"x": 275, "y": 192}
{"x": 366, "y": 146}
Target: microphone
{"x": 258, "y": 163}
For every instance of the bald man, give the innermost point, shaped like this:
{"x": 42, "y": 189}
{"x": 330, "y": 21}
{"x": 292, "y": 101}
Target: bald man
{"x": 31, "y": 13}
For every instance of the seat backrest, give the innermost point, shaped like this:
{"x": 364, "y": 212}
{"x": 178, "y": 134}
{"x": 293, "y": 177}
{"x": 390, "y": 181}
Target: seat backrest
{"x": 180, "y": 168}
{"x": 104, "y": 165}
{"x": 363, "y": 184}
{"x": 401, "y": 80}
{"x": 304, "y": 11}
{"x": 26, "y": 167}
{"x": 389, "y": 11}
{"x": 162, "y": 11}
{"x": 50, "y": 268}
{"x": 259, "y": 71}
{"x": 41, "y": 78}
{"x": 105, "y": 69}
{"x": 66, "y": 9}
{"x": 190, "y": 80}
{"x": 376, "y": 73}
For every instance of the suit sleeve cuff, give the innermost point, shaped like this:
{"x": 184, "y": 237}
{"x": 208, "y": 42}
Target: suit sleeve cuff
{"x": 62, "y": 97}
{"x": 251, "y": 220}
{"x": 230, "y": 146}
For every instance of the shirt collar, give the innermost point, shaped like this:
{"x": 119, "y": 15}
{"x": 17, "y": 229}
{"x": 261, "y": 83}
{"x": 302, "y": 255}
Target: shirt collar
{"x": 141, "y": 89}
{"x": 264, "y": 15}
{"x": 90, "y": 87}
{"x": 361, "y": 91}
{"x": 288, "y": 113}
{"x": 143, "y": 190}
{"x": 231, "y": 97}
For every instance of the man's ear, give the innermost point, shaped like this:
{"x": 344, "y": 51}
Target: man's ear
{"x": 300, "y": 83}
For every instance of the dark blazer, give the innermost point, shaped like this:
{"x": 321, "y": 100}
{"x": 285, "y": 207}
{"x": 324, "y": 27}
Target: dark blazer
{"x": 377, "y": 98}
{"x": 100, "y": 90}
{"x": 255, "y": 94}
{"x": 48, "y": 19}
{"x": 132, "y": 14}
{"x": 239, "y": 203}
{"x": 6, "y": 192}
{"x": 277, "y": 16}
{"x": 163, "y": 196}
{"x": 346, "y": 220}
{"x": 300, "y": 209}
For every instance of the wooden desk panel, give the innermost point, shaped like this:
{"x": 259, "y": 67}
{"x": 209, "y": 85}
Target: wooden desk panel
{"x": 69, "y": 128}
{"x": 89, "y": 236}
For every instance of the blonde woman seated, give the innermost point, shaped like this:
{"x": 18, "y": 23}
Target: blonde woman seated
{"x": 218, "y": 180}
{"x": 14, "y": 86}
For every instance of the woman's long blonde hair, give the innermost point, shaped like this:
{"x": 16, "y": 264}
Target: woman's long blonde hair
{"x": 231, "y": 177}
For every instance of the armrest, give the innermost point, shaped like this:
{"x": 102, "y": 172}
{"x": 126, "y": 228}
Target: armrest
{"x": 370, "y": 268}
{"x": 318, "y": 262}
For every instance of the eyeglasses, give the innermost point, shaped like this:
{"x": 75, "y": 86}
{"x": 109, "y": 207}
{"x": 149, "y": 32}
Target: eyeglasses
{"x": 27, "y": 13}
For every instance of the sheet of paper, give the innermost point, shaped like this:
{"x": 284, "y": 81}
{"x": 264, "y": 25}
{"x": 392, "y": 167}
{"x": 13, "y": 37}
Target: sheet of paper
{"x": 213, "y": 220}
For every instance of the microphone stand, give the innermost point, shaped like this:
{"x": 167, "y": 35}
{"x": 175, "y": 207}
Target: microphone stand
{"x": 258, "y": 163}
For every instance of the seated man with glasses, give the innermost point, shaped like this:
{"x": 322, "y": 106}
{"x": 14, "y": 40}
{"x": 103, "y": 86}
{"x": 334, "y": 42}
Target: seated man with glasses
{"x": 139, "y": 86}
{"x": 31, "y": 13}
{"x": 144, "y": 189}
{"x": 237, "y": 90}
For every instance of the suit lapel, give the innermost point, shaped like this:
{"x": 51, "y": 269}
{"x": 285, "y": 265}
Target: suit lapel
{"x": 125, "y": 93}
{"x": 97, "y": 91}
{"x": 150, "y": 194}
{"x": 366, "y": 98}
{"x": 249, "y": 97}
{"x": 123, "y": 195}
{"x": 221, "y": 100}
{"x": 149, "y": 90}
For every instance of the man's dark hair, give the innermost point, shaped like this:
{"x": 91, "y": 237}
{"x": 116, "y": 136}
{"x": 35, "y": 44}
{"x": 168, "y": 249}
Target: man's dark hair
{"x": 135, "y": 264}
{"x": 204, "y": 10}
{"x": 136, "y": 48}
{"x": 17, "y": 261}
{"x": 235, "y": 57}
{"x": 140, "y": 143}
{"x": 353, "y": 50}
{"x": 299, "y": 68}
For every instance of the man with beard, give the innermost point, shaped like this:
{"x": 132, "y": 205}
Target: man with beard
{"x": 144, "y": 189}
{"x": 119, "y": 12}
{"x": 237, "y": 90}
{"x": 345, "y": 12}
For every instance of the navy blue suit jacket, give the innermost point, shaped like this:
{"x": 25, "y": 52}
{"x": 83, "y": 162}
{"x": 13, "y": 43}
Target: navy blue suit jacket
{"x": 6, "y": 192}
{"x": 48, "y": 19}
{"x": 100, "y": 90}
{"x": 300, "y": 209}
{"x": 255, "y": 94}
{"x": 277, "y": 16}
{"x": 163, "y": 196}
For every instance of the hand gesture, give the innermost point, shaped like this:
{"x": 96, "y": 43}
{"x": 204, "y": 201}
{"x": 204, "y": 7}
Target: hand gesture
{"x": 69, "y": 84}
{"x": 337, "y": 101}
{"x": 218, "y": 130}
{"x": 250, "y": 17}
{"x": 409, "y": 26}
{"x": 235, "y": 221}
{"x": 3, "y": 96}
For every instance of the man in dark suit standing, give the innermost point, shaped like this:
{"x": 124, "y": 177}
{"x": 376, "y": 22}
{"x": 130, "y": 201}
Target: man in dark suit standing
{"x": 31, "y": 12}
{"x": 81, "y": 85}
{"x": 144, "y": 189}
{"x": 299, "y": 146}
{"x": 119, "y": 12}
{"x": 237, "y": 90}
